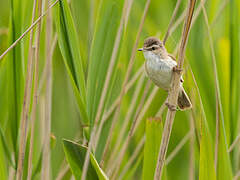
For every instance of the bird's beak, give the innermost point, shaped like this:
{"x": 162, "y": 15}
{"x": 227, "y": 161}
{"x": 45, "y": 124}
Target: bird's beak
{"x": 140, "y": 49}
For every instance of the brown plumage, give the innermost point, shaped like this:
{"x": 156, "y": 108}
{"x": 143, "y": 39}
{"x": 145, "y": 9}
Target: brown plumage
{"x": 151, "y": 41}
{"x": 159, "y": 66}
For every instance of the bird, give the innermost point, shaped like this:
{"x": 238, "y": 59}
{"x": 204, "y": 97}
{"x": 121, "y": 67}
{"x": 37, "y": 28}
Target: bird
{"x": 159, "y": 67}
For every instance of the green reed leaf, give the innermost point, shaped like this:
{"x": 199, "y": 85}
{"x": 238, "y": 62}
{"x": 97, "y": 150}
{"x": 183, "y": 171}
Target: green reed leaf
{"x": 69, "y": 46}
{"x": 75, "y": 154}
{"x": 154, "y": 128}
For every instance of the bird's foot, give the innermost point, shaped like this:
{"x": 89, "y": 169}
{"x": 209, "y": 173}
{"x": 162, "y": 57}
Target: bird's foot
{"x": 177, "y": 70}
{"x": 171, "y": 107}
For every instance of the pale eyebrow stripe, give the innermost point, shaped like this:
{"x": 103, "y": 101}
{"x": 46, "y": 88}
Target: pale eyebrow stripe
{"x": 150, "y": 48}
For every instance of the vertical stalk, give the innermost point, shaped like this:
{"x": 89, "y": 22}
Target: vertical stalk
{"x": 126, "y": 122}
{"x": 105, "y": 87}
{"x": 217, "y": 134}
{"x": 35, "y": 91}
{"x": 192, "y": 140}
{"x": 26, "y": 102}
{"x": 123, "y": 89}
{"x": 45, "y": 174}
{"x": 171, "y": 21}
{"x": 173, "y": 94}
{"x": 131, "y": 131}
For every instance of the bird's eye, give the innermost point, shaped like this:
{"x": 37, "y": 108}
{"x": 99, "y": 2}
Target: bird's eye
{"x": 153, "y": 48}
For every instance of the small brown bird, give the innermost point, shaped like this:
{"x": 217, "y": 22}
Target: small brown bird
{"x": 159, "y": 66}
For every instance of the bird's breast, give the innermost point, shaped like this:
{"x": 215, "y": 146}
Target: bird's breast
{"x": 160, "y": 71}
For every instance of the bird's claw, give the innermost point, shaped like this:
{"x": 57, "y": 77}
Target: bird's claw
{"x": 171, "y": 107}
{"x": 177, "y": 70}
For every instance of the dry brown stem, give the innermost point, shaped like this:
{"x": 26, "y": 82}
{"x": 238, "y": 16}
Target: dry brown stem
{"x": 173, "y": 94}
{"x": 45, "y": 174}
{"x": 29, "y": 29}
{"x": 35, "y": 92}
{"x": 26, "y": 102}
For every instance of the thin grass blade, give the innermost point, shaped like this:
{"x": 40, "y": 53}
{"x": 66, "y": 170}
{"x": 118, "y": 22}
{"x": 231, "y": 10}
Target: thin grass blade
{"x": 206, "y": 166}
{"x": 68, "y": 43}
{"x": 75, "y": 154}
{"x": 101, "y": 51}
{"x": 154, "y": 129}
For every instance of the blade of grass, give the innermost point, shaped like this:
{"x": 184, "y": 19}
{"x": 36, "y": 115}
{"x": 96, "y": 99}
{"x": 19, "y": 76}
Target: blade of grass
{"x": 71, "y": 54}
{"x": 68, "y": 43}
{"x": 133, "y": 173}
{"x": 116, "y": 102}
{"x": 14, "y": 78}
{"x": 161, "y": 109}
{"x": 29, "y": 29}
{"x": 75, "y": 155}
{"x": 5, "y": 147}
{"x": 133, "y": 157}
{"x": 127, "y": 5}
{"x": 62, "y": 172}
{"x": 35, "y": 91}
{"x": 192, "y": 140}
{"x": 139, "y": 118}
{"x": 154, "y": 129}
{"x": 3, "y": 167}
{"x": 181, "y": 18}
{"x": 173, "y": 94}
{"x": 178, "y": 147}
{"x": 145, "y": 107}
{"x": 234, "y": 103}
{"x": 112, "y": 62}
{"x": 130, "y": 65}
{"x": 217, "y": 133}
{"x": 126, "y": 121}
{"x": 233, "y": 145}
{"x": 38, "y": 166}
{"x": 224, "y": 166}
{"x": 105, "y": 87}
{"x": 171, "y": 21}
{"x": 44, "y": 73}
{"x": 107, "y": 25}
{"x": 206, "y": 166}
{"x": 131, "y": 131}
{"x": 46, "y": 173}
{"x": 219, "y": 13}
{"x": 218, "y": 96}
{"x": 26, "y": 103}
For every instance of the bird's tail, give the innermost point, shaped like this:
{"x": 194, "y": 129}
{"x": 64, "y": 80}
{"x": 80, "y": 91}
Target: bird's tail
{"x": 183, "y": 100}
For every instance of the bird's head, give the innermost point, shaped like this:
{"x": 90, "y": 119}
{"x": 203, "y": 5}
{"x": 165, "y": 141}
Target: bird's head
{"x": 153, "y": 45}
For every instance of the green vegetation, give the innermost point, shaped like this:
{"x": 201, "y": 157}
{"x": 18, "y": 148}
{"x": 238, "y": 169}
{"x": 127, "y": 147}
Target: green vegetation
{"x": 75, "y": 80}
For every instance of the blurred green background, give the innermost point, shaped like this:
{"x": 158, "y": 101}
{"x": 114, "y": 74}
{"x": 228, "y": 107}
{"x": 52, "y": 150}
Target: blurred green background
{"x": 96, "y": 23}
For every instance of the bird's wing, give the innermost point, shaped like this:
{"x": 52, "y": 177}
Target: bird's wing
{"x": 173, "y": 58}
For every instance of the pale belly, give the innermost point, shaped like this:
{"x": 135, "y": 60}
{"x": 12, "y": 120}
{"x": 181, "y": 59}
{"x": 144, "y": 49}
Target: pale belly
{"x": 160, "y": 71}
